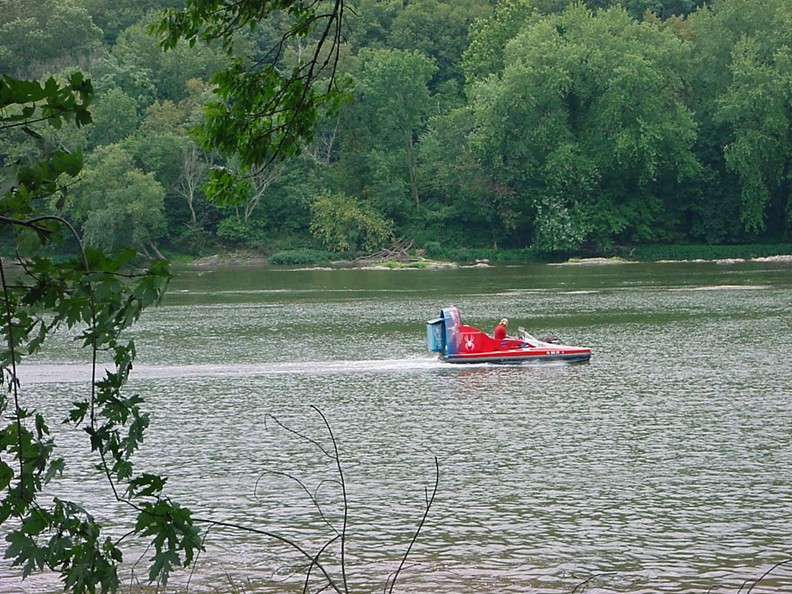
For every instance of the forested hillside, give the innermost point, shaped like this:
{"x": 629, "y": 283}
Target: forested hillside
{"x": 541, "y": 124}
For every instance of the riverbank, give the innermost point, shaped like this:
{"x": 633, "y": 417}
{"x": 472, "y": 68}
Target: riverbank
{"x": 676, "y": 253}
{"x": 421, "y": 259}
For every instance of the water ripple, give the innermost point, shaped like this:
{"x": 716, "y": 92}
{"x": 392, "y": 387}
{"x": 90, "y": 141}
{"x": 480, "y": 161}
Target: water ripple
{"x": 660, "y": 467}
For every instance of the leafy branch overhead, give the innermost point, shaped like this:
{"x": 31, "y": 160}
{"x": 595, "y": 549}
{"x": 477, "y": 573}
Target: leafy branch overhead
{"x": 23, "y": 104}
{"x": 51, "y": 102}
{"x": 266, "y": 109}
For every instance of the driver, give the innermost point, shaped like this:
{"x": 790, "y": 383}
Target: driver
{"x": 500, "y": 330}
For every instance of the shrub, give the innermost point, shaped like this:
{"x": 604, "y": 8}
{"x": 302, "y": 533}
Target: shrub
{"x": 343, "y": 223}
{"x": 299, "y": 257}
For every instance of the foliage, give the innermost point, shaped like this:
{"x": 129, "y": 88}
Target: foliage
{"x": 394, "y": 102}
{"x": 36, "y": 35}
{"x": 88, "y": 291}
{"x": 115, "y": 117}
{"x": 583, "y": 96}
{"x": 169, "y": 71}
{"x": 489, "y": 36}
{"x": 97, "y": 296}
{"x": 237, "y": 232}
{"x": 663, "y": 8}
{"x": 284, "y": 101}
{"x": 344, "y": 224}
{"x": 299, "y": 257}
{"x": 437, "y": 29}
{"x": 756, "y": 106}
{"x": 110, "y": 72}
{"x": 560, "y": 125}
{"x": 51, "y": 102}
{"x": 161, "y": 145}
{"x": 117, "y": 204}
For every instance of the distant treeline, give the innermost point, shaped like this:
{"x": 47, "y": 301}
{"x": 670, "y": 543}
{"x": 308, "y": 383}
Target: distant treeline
{"x": 550, "y": 126}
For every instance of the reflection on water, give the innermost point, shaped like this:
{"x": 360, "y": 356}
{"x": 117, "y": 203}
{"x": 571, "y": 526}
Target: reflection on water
{"x": 661, "y": 466}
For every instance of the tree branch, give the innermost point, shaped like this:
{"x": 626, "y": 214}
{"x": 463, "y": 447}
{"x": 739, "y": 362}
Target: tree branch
{"x": 429, "y": 502}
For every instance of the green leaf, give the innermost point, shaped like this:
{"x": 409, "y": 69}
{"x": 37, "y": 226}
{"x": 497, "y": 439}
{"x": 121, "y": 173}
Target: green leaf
{"x": 6, "y": 475}
{"x": 55, "y": 468}
{"x": 32, "y": 133}
{"x": 160, "y": 569}
{"x": 18, "y": 543}
{"x": 147, "y": 485}
{"x": 77, "y": 414}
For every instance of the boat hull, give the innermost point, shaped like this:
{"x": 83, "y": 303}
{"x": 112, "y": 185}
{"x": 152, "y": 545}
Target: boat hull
{"x": 519, "y": 358}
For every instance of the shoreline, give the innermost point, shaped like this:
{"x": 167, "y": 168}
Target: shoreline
{"x": 605, "y": 261}
{"x": 250, "y": 259}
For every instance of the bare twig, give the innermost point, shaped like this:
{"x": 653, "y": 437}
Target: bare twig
{"x": 429, "y": 501}
{"x": 585, "y": 582}
{"x": 315, "y": 563}
{"x": 766, "y": 573}
{"x": 319, "y": 446}
{"x": 312, "y": 496}
{"x": 313, "y": 559}
{"x": 337, "y": 459}
{"x": 195, "y": 562}
{"x": 135, "y": 564}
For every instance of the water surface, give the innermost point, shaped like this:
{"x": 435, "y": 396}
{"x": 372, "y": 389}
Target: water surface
{"x": 660, "y": 466}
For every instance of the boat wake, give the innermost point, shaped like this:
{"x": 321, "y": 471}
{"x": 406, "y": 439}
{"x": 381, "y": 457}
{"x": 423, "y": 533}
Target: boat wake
{"x": 73, "y": 373}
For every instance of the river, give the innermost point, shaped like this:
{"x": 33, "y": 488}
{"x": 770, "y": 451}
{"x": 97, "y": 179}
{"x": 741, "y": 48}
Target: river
{"x": 662, "y": 466}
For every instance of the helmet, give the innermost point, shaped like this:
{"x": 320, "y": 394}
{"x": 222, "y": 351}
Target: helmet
{"x": 504, "y": 322}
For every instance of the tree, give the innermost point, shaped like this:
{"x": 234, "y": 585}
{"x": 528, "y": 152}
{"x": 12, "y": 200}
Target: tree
{"x": 662, "y": 8}
{"x": 587, "y": 124}
{"x": 464, "y": 206}
{"x": 438, "y": 29}
{"x": 394, "y": 90}
{"x": 109, "y": 73}
{"x": 488, "y": 37}
{"x": 162, "y": 136}
{"x": 117, "y": 204}
{"x": 260, "y": 182}
{"x": 758, "y": 107}
{"x": 169, "y": 72}
{"x": 191, "y": 177}
{"x": 744, "y": 75}
{"x": 113, "y": 16}
{"x": 36, "y": 37}
{"x": 344, "y": 224}
{"x": 116, "y": 117}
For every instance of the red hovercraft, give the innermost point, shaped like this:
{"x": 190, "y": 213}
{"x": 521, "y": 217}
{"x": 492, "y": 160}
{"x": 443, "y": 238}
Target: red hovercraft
{"x": 458, "y": 343}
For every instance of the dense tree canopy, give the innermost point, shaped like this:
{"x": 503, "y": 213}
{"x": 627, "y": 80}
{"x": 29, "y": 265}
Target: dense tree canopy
{"x": 545, "y": 124}
{"x": 587, "y": 124}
